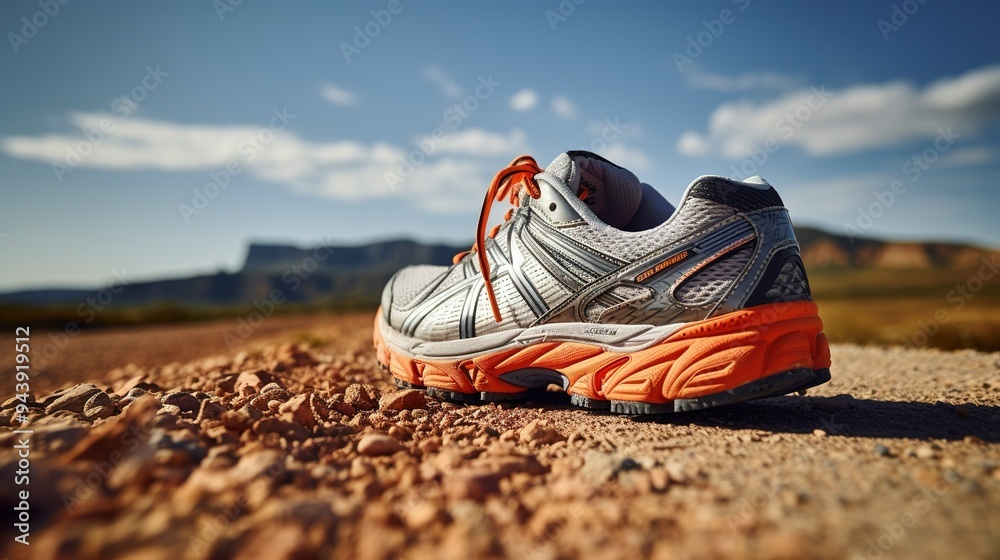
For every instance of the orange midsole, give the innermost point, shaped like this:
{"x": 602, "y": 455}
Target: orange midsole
{"x": 702, "y": 358}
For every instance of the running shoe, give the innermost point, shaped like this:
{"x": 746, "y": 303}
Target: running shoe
{"x": 596, "y": 283}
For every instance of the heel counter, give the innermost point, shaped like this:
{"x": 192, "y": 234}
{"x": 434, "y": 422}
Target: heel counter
{"x": 784, "y": 279}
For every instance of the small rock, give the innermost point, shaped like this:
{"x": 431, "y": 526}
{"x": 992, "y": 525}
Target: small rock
{"x": 184, "y": 401}
{"x": 99, "y": 406}
{"x": 833, "y": 404}
{"x": 539, "y": 432}
{"x": 951, "y": 476}
{"x": 373, "y": 445}
{"x": 407, "y": 399}
{"x": 299, "y": 409}
{"x": 273, "y": 425}
{"x": 882, "y": 451}
{"x": 272, "y": 386}
{"x": 129, "y": 385}
{"x": 74, "y": 399}
{"x": 399, "y": 433}
{"x": 924, "y": 452}
{"x": 659, "y": 479}
{"x": 98, "y": 399}
{"x": 210, "y": 411}
{"x": 472, "y": 485}
{"x": 361, "y": 396}
{"x": 254, "y": 380}
{"x": 169, "y": 410}
{"x": 819, "y": 433}
{"x": 241, "y": 419}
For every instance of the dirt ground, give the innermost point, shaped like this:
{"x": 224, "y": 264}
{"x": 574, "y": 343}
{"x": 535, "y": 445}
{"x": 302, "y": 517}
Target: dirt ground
{"x": 296, "y": 445}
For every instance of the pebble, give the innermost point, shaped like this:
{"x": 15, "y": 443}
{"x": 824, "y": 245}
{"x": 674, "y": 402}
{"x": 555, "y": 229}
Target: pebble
{"x": 252, "y": 380}
{"x": 472, "y": 485}
{"x": 299, "y": 410}
{"x": 184, "y": 401}
{"x": 539, "y": 432}
{"x": 407, "y": 399}
{"x": 819, "y": 433}
{"x": 924, "y": 452}
{"x": 74, "y": 399}
{"x": 361, "y": 396}
{"x": 376, "y": 444}
{"x": 882, "y": 451}
{"x": 210, "y": 411}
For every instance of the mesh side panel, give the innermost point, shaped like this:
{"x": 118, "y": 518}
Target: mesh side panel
{"x": 628, "y": 245}
{"x": 709, "y": 284}
{"x": 571, "y": 266}
{"x": 485, "y": 323}
{"x": 612, "y": 297}
{"x": 550, "y": 289}
{"x": 442, "y": 322}
{"x": 413, "y": 280}
{"x": 456, "y": 275}
{"x": 594, "y": 310}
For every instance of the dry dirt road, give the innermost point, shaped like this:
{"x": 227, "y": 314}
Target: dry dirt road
{"x": 299, "y": 446}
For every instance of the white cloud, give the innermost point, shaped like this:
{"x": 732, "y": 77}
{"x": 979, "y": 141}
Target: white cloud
{"x": 627, "y": 156}
{"x": 458, "y": 167}
{"x": 338, "y": 96}
{"x": 564, "y": 108}
{"x": 743, "y": 82}
{"x": 524, "y": 100}
{"x": 439, "y": 77}
{"x": 858, "y": 118}
{"x": 480, "y": 142}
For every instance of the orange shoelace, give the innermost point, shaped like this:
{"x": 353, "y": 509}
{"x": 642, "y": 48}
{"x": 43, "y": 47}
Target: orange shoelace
{"x": 520, "y": 174}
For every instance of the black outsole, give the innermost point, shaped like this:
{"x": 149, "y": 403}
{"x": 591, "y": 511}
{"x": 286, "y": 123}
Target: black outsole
{"x": 776, "y": 385}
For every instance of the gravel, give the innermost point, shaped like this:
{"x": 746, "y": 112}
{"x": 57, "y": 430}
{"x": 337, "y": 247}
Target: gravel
{"x": 290, "y": 451}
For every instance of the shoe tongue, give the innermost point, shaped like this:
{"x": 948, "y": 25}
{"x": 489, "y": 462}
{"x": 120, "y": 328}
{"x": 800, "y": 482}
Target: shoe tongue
{"x": 611, "y": 192}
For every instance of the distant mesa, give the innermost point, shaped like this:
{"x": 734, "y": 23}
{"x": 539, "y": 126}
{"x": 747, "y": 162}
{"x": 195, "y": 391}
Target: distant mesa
{"x": 359, "y": 272}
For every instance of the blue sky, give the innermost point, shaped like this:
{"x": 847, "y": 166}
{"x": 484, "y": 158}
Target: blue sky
{"x": 119, "y": 120}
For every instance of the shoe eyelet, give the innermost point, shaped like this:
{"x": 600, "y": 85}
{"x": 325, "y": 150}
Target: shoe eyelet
{"x": 552, "y": 207}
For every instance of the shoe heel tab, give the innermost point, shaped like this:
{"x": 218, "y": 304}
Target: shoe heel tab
{"x": 744, "y": 196}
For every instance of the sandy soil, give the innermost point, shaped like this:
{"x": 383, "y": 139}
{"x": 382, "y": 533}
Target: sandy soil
{"x": 296, "y": 445}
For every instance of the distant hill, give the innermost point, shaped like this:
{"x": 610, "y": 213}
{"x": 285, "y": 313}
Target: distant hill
{"x": 821, "y": 249}
{"x": 303, "y": 276}
{"x": 358, "y": 273}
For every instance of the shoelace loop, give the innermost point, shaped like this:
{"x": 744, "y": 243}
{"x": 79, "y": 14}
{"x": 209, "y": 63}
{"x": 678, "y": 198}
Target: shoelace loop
{"x": 507, "y": 184}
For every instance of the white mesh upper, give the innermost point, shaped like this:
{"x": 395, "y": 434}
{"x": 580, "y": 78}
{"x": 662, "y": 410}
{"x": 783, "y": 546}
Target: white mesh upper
{"x": 710, "y": 283}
